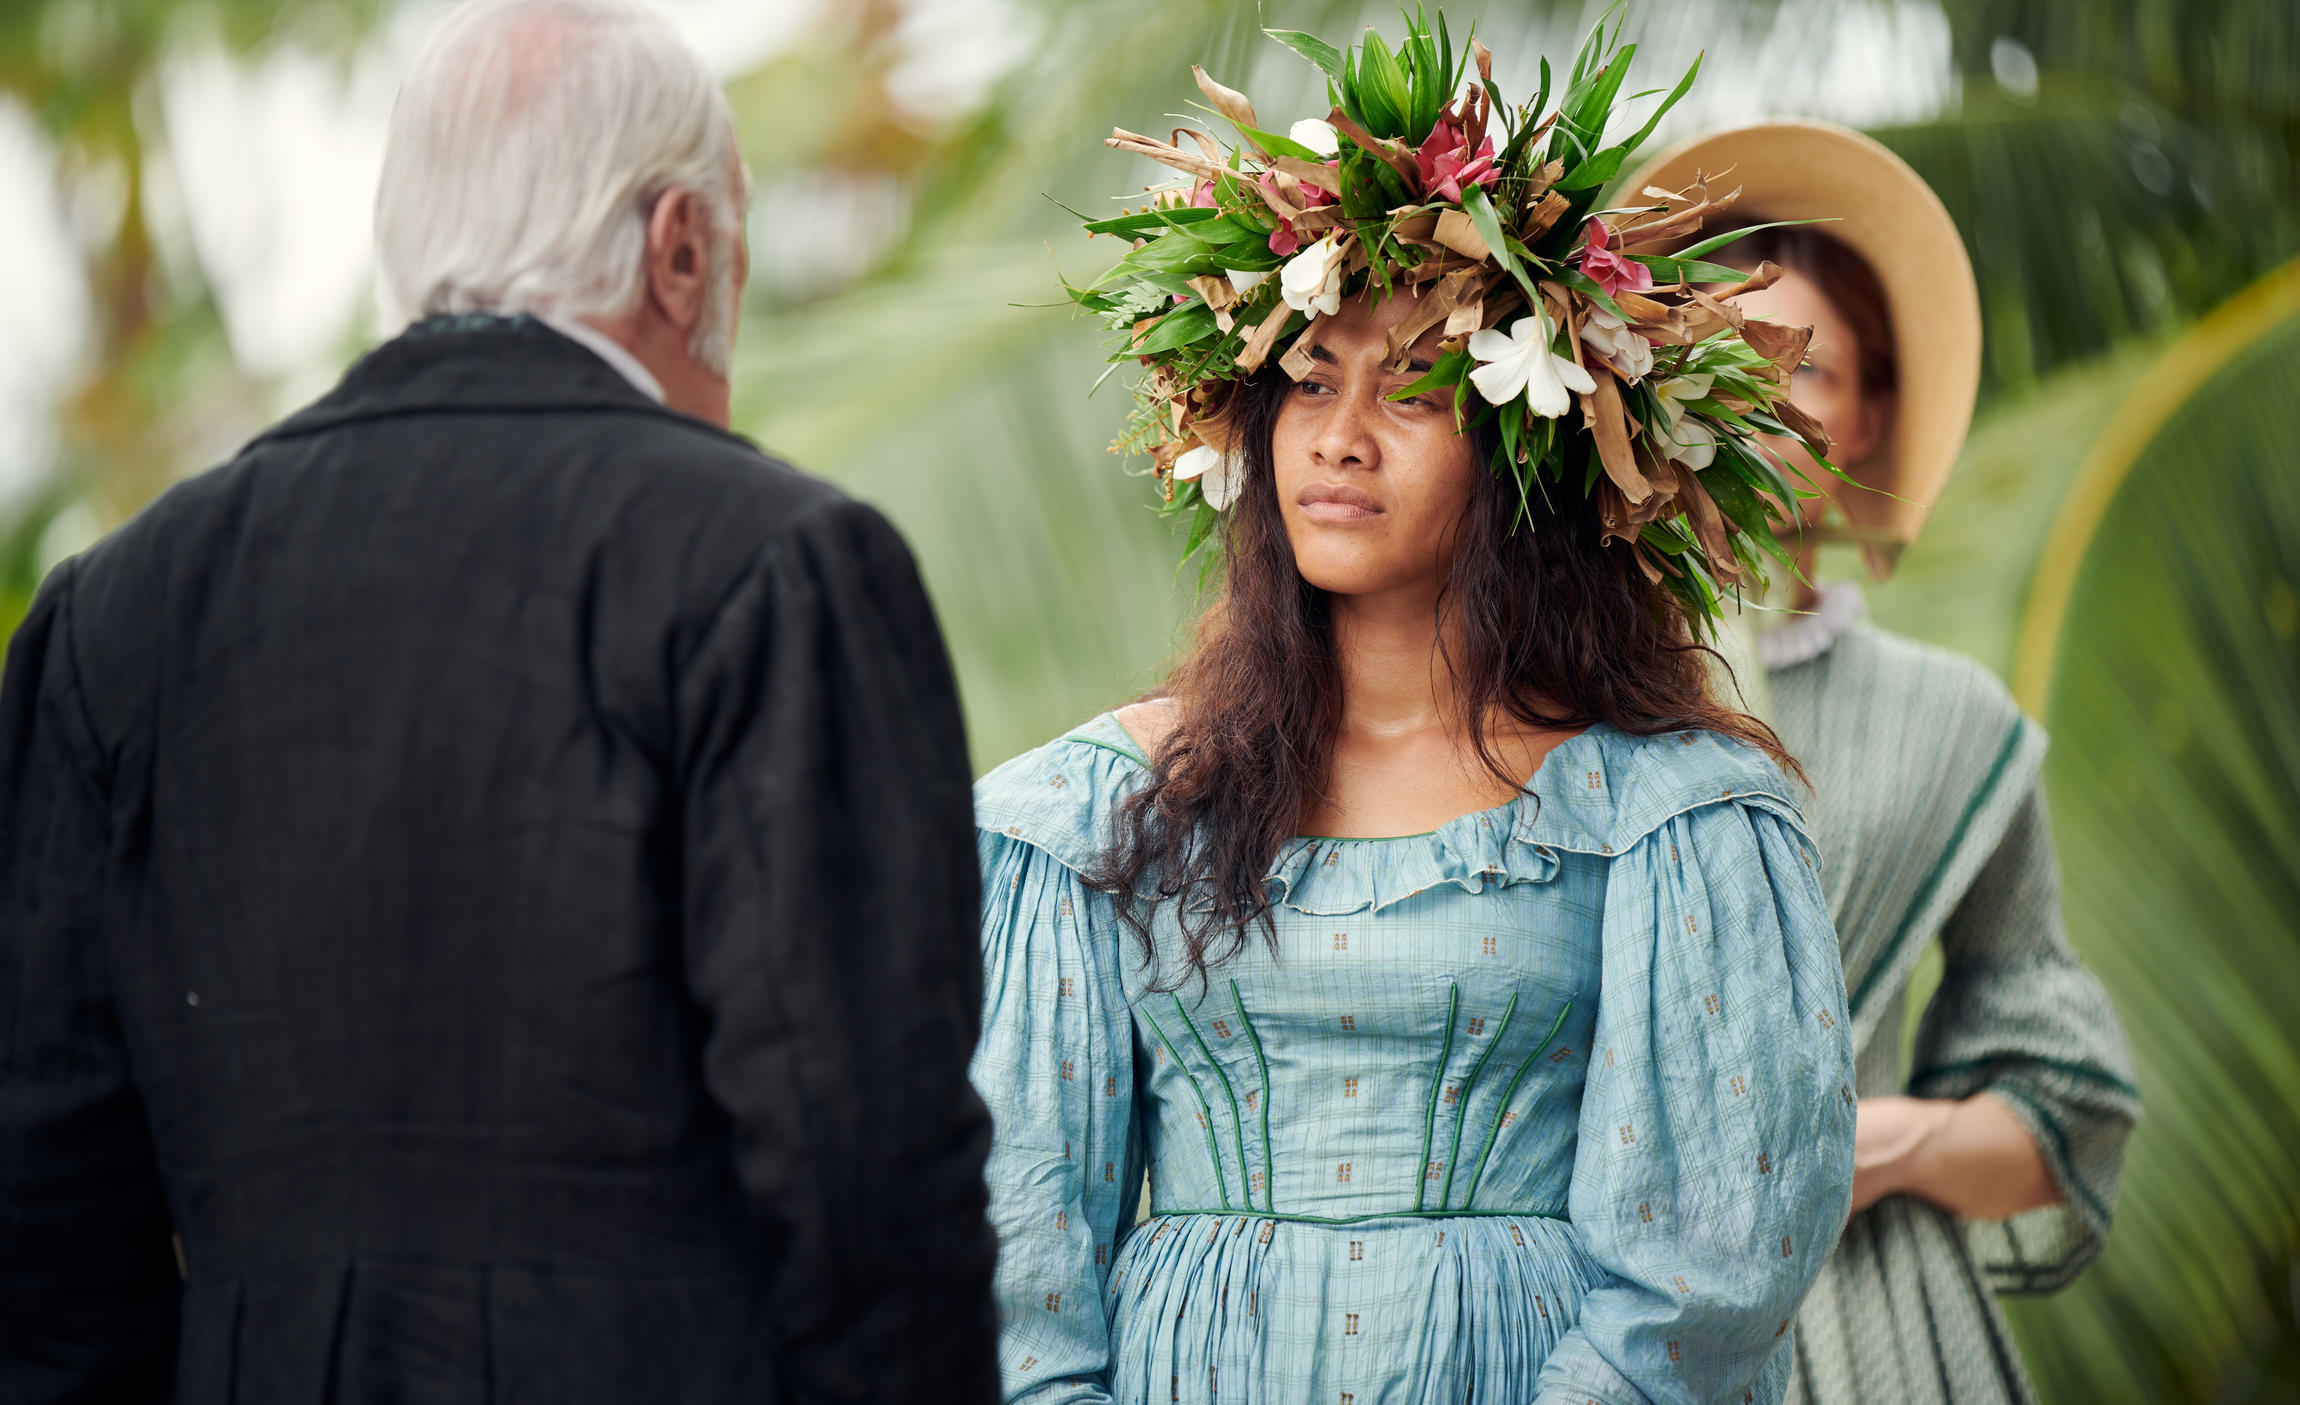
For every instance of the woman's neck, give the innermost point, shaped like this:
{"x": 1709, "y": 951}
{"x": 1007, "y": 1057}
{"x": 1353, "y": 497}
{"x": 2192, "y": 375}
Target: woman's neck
{"x": 1394, "y": 676}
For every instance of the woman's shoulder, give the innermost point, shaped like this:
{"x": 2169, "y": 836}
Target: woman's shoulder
{"x": 1898, "y": 663}
{"x": 1606, "y": 789}
{"x": 1061, "y": 797}
{"x": 1939, "y": 705}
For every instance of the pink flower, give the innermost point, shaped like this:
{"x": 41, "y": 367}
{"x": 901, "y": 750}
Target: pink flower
{"x": 1609, "y": 270}
{"x": 1283, "y": 240}
{"x": 1202, "y": 198}
{"x": 1447, "y": 163}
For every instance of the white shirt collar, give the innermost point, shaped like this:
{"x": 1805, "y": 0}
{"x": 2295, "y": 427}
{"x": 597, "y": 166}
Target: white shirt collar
{"x": 1792, "y": 639}
{"x": 609, "y": 350}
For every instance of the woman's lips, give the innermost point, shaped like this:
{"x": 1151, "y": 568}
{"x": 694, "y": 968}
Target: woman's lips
{"x": 1337, "y": 502}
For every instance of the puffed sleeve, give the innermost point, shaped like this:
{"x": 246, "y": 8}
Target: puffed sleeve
{"x": 830, "y": 898}
{"x": 2017, "y": 1015}
{"x": 1715, "y": 1161}
{"x": 1056, "y": 1066}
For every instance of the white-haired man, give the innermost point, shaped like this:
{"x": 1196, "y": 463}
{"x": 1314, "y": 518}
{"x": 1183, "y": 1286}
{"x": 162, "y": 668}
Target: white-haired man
{"x": 490, "y": 869}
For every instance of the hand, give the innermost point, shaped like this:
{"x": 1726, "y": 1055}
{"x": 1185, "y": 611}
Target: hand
{"x": 1888, "y": 1134}
{"x": 1971, "y": 1157}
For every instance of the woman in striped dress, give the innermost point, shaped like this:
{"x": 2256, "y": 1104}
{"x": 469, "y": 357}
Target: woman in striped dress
{"x": 1988, "y": 1162}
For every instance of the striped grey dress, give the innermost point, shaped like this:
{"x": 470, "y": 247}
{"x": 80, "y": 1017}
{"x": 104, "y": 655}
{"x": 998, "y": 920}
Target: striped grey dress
{"x": 1931, "y": 823}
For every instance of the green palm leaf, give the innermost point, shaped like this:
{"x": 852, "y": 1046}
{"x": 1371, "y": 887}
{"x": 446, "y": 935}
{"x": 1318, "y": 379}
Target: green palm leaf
{"x": 1964, "y": 582}
{"x": 2093, "y": 215}
{"x": 2162, "y": 646}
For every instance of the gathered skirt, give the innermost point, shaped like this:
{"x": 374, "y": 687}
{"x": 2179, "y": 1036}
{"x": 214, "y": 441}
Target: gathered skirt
{"x": 1397, "y": 1309}
{"x": 1902, "y": 1315}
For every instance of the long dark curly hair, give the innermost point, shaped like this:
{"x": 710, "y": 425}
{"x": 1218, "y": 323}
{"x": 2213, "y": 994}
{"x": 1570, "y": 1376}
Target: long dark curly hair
{"x": 1550, "y": 627}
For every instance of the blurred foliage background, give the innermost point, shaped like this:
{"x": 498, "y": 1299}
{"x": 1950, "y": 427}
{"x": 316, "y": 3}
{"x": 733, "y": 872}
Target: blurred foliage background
{"x": 2122, "y": 540}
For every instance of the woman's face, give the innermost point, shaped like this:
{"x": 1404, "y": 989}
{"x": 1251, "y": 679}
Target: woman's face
{"x": 1371, "y": 489}
{"x": 1828, "y": 385}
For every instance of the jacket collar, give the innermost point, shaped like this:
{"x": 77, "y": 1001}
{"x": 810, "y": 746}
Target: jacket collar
{"x": 475, "y": 362}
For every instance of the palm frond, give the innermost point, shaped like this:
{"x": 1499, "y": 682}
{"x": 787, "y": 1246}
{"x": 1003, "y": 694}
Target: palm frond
{"x": 2175, "y": 777}
{"x": 2093, "y": 215}
{"x": 1965, "y": 581}
{"x": 2229, "y": 61}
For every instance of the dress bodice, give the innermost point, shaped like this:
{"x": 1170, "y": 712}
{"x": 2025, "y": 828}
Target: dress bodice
{"x": 1420, "y": 1055}
{"x": 1553, "y": 1102}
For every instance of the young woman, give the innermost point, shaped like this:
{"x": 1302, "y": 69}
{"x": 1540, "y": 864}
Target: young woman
{"x": 1453, "y": 962}
{"x": 1991, "y": 1165}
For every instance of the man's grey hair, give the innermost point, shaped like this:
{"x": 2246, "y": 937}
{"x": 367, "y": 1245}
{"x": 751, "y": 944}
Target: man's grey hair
{"x": 527, "y": 148}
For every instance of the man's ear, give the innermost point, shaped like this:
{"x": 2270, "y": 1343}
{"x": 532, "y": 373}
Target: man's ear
{"x": 678, "y": 258}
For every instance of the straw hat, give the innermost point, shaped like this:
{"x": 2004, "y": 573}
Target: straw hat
{"x": 1885, "y": 212}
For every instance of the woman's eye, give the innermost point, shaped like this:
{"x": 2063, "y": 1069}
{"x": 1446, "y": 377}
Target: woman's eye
{"x": 1313, "y": 388}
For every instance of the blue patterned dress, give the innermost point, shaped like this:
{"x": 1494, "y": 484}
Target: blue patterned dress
{"x": 1551, "y": 1104}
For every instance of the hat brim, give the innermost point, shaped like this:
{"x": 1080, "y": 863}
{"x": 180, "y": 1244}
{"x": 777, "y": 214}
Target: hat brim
{"x": 1796, "y": 170}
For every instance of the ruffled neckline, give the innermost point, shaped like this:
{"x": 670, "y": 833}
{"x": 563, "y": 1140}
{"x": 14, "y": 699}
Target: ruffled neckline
{"x": 1789, "y": 640}
{"x": 1596, "y": 793}
{"x": 1327, "y": 877}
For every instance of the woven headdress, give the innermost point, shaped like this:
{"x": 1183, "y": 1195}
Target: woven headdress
{"x": 1600, "y": 365}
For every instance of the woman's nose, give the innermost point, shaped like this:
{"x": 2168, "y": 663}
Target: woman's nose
{"x": 1345, "y": 433}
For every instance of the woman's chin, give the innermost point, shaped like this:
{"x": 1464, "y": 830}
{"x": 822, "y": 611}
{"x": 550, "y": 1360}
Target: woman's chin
{"x": 1357, "y": 577}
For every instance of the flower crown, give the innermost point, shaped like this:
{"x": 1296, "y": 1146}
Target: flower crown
{"x": 1599, "y": 365}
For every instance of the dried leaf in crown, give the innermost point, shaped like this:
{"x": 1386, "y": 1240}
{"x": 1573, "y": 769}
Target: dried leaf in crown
{"x": 1598, "y": 350}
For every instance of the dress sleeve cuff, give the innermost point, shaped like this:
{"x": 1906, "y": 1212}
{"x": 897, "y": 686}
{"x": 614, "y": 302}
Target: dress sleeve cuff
{"x": 1576, "y": 1374}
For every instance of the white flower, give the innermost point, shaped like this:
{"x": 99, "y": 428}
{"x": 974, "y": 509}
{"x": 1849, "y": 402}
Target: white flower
{"x": 1686, "y": 440}
{"x": 1318, "y": 135}
{"x": 1244, "y": 280}
{"x": 1521, "y": 361}
{"x": 1220, "y": 475}
{"x": 1624, "y": 350}
{"x": 1311, "y": 281}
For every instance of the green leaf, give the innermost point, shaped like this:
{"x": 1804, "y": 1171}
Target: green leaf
{"x": 1149, "y": 221}
{"x": 1587, "y": 286}
{"x": 1669, "y": 270}
{"x": 1310, "y": 46}
{"x": 1684, "y": 85}
{"x": 1280, "y": 146}
{"x": 1741, "y": 505}
{"x": 1448, "y": 371}
{"x": 1488, "y": 227}
{"x": 1587, "y": 107}
{"x": 1592, "y": 46}
{"x": 1394, "y": 192}
{"x": 1353, "y": 100}
{"x": 1382, "y": 89}
{"x": 1172, "y": 253}
{"x": 1765, "y": 473}
{"x": 1184, "y": 325}
{"x": 1229, "y": 229}
{"x": 1202, "y": 525}
{"x": 1249, "y": 256}
{"x": 1363, "y": 195}
{"x": 1719, "y": 241}
{"x": 1596, "y": 171}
